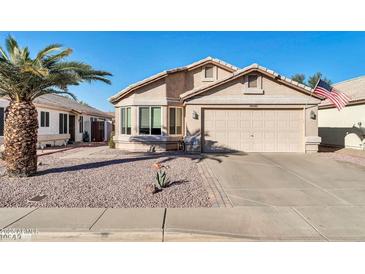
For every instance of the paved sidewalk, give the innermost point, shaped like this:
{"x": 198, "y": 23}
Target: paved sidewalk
{"x": 248, "y": 223}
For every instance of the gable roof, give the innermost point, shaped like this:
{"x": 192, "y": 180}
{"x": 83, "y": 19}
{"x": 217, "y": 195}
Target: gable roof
{"x": 354, "y": 88}
{"x": 254, "y": 67}
{"x": 59, "y": 101}
{"x": 164, "y": 74}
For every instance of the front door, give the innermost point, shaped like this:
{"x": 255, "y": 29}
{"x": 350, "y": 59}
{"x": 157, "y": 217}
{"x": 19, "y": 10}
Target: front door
{"x": 72, "y": 128}
{"x": 97, "y": 131}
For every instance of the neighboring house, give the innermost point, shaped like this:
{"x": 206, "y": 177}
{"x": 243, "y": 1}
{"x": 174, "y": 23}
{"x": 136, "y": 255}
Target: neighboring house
{"x": 62, "y": 119}
{"x": 345, "y": 128}
{"x": 216, "y": 107}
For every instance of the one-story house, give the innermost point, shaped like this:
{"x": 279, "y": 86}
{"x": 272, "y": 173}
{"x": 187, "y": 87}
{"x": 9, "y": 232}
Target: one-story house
{"x": 214, "y": 106}
{"x": 63, "y": 120}
{"x": 345, "y": 128}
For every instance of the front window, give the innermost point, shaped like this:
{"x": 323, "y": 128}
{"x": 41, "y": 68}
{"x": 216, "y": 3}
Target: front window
{"x": 150, "y": 120}
{"x": 63, "y": 123}
{"x": 125, "y": 119}
{"x": 175, "y": 121}
{"x": 44, "y": 119}
{"x": 252, "y": 81}
{"x": 209, "y": 72}
{"x": 81, "y": 124}
{"x": 2, "y": 119}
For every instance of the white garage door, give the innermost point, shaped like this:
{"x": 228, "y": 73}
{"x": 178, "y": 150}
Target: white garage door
{"x": 256, "y": 130}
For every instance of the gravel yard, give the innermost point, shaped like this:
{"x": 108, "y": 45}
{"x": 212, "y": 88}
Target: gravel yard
{"x": 345, "y": 155}
{"x": 103, "y": 177}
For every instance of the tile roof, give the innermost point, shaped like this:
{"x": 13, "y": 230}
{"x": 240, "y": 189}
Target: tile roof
{"x": 354, "y": 88}
{"x": 166, "y": 72}
{"x": 54, "y": 100}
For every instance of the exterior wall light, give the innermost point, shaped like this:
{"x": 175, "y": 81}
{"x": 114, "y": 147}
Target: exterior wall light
{"x": 313, "y": 115}
{"x": 195, "y": 115}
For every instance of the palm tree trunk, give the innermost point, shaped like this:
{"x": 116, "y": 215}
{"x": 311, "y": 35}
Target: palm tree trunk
{"x": 20, "y": 139}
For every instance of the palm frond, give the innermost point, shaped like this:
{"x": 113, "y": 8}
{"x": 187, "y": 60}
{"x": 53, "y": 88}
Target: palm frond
{"x": 25, "y": 54}
{"x": 96, "y": 78}
{"x": 12, "y": 47}
{"x": 51, "y": 60}
{"x": 54, "y": 91}
{"x": 47, "y": 50}
{"x": 3, "y": 55}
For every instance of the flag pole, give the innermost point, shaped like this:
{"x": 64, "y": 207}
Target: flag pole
{"x": 319, "y": 79}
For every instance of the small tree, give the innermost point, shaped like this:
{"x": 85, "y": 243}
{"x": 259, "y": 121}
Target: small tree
{"x": 23, "y": 79}
{"x": 299, "y": 77}
{"x": 312, "y": 80}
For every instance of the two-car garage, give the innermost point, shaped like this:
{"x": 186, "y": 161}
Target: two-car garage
{"x": 253, "y": 130}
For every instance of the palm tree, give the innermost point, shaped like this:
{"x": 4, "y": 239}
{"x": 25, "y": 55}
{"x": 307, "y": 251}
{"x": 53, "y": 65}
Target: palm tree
{"x": 22, "y": 79}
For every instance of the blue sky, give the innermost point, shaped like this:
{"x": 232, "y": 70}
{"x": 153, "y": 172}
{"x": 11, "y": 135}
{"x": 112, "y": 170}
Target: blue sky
{"x": 133, "y": 56}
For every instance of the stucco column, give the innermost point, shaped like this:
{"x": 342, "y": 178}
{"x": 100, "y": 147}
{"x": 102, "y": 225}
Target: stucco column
{"x": 117, "y": 122}
{"x": 193, "y": 116}
{"x": 312, "y": 140}
{"x": 134, "y": 120}
{"x": 164, "y": 125}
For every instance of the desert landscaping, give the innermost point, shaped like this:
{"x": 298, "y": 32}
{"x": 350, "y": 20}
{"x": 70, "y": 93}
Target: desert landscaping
{"x": 103, "y": 177}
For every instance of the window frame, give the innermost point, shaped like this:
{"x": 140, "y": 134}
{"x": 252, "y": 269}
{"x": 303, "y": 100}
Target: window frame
{"x": 257, "y": 80}
{"x": 182, "y": 121}
{"x": 125, "y": 127}
{"x": 45, "y": 120}
{"x": 150, "y": 120}
{"x": 209, "y": 79}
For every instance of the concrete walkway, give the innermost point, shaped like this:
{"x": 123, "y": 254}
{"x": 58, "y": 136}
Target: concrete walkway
{"x": 249, "y": 223}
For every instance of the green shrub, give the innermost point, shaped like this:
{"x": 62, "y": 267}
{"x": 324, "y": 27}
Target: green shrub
{"x": 111, "y": 141}
{"x": 86, "y": 137}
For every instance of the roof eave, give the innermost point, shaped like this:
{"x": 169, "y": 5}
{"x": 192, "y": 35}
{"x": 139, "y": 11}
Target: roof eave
{"x": 126, "y": 91}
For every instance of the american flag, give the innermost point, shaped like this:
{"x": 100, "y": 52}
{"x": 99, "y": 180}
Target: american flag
{"x": 339, "y": 99}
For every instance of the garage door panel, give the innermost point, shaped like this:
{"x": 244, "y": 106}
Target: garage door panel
{"x": 253, "y": 130}
{"x": 283, "y": 125}
{"x": 209, "y": 125}
{"x": 246, "y": 124}
{"x": 270, "y": 125}
{"x": 257, "y": 124}
{"x": 232, "y": 124}
{"x": 221, "y": 115}
{"x": 220, "y": 125}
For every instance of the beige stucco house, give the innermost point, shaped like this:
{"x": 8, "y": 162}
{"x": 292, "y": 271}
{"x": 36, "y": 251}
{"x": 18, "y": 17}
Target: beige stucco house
{"x": 345, "y": 128}
{"x": 216, "y": 107}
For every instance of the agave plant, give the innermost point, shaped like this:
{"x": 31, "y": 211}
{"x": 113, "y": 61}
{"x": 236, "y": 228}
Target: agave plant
{"x": 161, "y": 180}
{"x": 24, "y": 78}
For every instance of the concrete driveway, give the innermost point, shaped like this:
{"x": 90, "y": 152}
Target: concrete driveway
{"x": 260, "y": 179}
{"x": 326, "y": 194}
